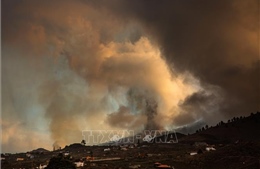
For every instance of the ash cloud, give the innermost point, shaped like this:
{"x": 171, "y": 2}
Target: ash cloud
{"x": 201, "y": 104}
{"x": 215, "y": 40}
{"x": 127, "y": 64}
{"x": 124, "y": 119}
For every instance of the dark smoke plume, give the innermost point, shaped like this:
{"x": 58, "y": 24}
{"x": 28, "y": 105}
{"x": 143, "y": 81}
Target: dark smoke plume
{"x": 151, "y": 112}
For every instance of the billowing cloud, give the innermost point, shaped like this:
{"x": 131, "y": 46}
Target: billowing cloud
{"x": 80, "y": 65}
{"x": 215, "y": 40}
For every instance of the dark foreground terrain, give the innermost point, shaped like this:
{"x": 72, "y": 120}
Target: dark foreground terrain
{"x": 231, "y": 145}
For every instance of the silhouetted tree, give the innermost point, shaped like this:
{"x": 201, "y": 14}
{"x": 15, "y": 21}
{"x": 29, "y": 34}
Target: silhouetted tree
{"x": 221, "y": 123}
{"x": 83, "y": 142}
{"x": 60, "y": 162}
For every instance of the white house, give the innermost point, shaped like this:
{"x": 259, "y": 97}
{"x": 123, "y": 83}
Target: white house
{"x": 210, "y": 148}
{"x": 66, "y": 154}
{"x": 193, "y": 153}
{"x": 19, "y": 159}
{"x": 79, "y": 164}
{"x": 124, "y": 149}
{"x": 107, "y": 149}
{"x": 42, "y": 166}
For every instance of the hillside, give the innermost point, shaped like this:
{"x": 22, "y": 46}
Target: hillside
{"x": 234, "y": 144}
{"x": 236, "y": 129}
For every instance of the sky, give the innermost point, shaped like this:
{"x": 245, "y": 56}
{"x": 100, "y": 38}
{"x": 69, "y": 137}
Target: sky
{"x": 69, "y": 66}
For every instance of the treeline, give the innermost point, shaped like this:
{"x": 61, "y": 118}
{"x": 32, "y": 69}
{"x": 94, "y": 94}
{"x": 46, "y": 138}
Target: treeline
{"x": 255, "y": 117}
